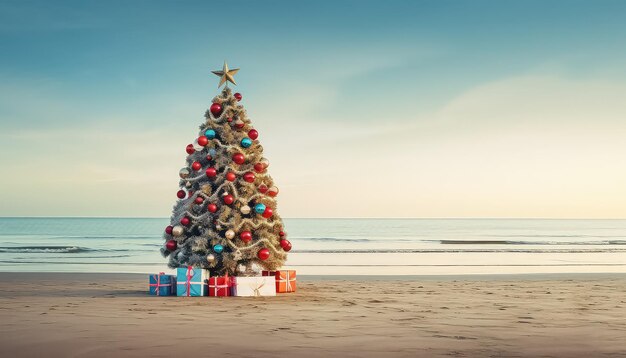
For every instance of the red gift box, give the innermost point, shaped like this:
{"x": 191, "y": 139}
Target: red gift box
{"x": 268, "y": 273}
{"x": 220, "y": 286}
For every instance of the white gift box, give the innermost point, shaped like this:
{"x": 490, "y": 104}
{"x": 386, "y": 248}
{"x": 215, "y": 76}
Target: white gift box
{"x": 254, "y": 286}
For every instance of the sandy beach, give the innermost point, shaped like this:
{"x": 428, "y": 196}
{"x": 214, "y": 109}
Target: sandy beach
{"x": 106, "y": 315}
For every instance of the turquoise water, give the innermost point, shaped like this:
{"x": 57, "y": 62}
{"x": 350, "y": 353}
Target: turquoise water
{"x": 334, "y": 246}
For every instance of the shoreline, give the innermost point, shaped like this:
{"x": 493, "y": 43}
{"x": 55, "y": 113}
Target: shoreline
{"x": 10, "y": 275}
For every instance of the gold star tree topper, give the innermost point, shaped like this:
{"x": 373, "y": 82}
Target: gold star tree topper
{"x": 226, "y": 75}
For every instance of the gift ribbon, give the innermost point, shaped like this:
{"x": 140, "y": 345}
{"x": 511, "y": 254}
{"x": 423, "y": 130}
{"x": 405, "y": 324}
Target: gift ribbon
{"x": 189, "y": 277}
{"x": 158, "y": 283}
{"x": 187, "y": 284}
{"x": 287, "y": 280}
{"x": 217, "y": 286}
{"x": 257, "y": 288}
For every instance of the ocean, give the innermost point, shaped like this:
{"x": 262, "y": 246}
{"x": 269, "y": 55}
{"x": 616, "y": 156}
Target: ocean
{"x": 334, "y": 246}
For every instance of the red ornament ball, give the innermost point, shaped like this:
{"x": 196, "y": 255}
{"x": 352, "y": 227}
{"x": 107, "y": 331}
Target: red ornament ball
{"x": 203, "y": 140}
{"x": 196, "y": 166}
{"x": 263, "y": 254}
{"x": 185, "y": 221}
{"x": 262, "y": 188}
{"x": 168, "y": 229}
{"x": 281, "y": 234}
{"x": 253, "y": 134}
{"x": 245, "y": 236}
{"x": 285, "y": 244}
{"x": 212, "y": 208}
{"x": 249, "y": 177}
{"x": 229, "y": 119}
{"x": 239, "y": 158}
{"x": 230, "y": 176}
{"x": 268, "y": 212}
{"x": 209, "y": 157}
{"x": 199, "y": 200}
{"x": 259, "y": 167}
{"x": 181, "y": 194}
{"x": 211, "y": 172}
{"x": 216, "y": 109}
{"x": 239, "y": 124}
{"x": 228, "y": 199}
{"x": 171, "y": 245}
{"x": 189, "y": 149}
{"x": 273, "y": 191}
{"x": 238, "y": 96}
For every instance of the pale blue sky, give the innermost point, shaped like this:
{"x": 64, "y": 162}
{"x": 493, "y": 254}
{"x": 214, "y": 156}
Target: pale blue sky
{"x": 365, "y": 109}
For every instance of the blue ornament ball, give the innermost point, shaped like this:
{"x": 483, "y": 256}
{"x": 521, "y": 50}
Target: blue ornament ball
{"x": 218, "y": 248}
{"x": 212, "y": 152}
{"x": 259, "y": 208}
{"x": 209, "y": 133}
{"x": 246, "y": 142}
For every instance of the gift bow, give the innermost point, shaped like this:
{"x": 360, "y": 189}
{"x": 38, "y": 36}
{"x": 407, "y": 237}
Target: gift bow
{"x": 257, "y": 287}
{"x": 158, "y": 283}
{"x": 254, "y": 285}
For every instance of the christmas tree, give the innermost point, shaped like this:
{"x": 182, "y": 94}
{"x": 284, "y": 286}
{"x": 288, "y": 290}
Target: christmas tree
{"x": 225, "y": 219}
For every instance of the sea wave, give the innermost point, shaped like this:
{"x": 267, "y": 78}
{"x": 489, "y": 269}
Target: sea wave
{"x": 65, "y": 258}
{"x": 21, "y": 236}
{"x": 55, "y": 249}
{"x": 122, "y": 236}
{"x": 555, "y": 235}
{"x": 44, "y": 249}
{"x": 470, "y": 242}
{"x": 331, "y": 239}
{"x": 12, "y": 262}
{"x": 473, "y": 250}
{"x": 150, "y": 264}
{"x": 522, "y": 242}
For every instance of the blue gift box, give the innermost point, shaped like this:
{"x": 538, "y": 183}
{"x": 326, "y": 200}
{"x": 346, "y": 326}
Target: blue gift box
{"x": 191, "y": 281}
{"x": 162, "y": 284}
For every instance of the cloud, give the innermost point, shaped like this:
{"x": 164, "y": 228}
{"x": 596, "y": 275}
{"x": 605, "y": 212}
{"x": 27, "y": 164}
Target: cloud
{"x": 538, "y": 100}
{"x": 519, "y": 147}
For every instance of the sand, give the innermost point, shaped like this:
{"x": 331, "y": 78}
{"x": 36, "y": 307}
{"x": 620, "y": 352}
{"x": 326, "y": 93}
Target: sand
{"x": 111, "y": 315}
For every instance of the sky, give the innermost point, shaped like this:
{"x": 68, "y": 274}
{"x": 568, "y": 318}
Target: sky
{"x": 412, "y": 109}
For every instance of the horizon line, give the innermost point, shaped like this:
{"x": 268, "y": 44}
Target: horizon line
{"x": 324, "y": 218}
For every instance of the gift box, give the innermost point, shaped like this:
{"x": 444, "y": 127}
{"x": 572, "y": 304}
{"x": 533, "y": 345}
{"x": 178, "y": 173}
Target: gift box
{"x": 253, "y": 286}
{"x": 162, "y": 284}
{"x": 268, "y": 273}
{"x": 191, "y": 281}
{"x": 220, "y": 286}
{"x": 285, "y": 281}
